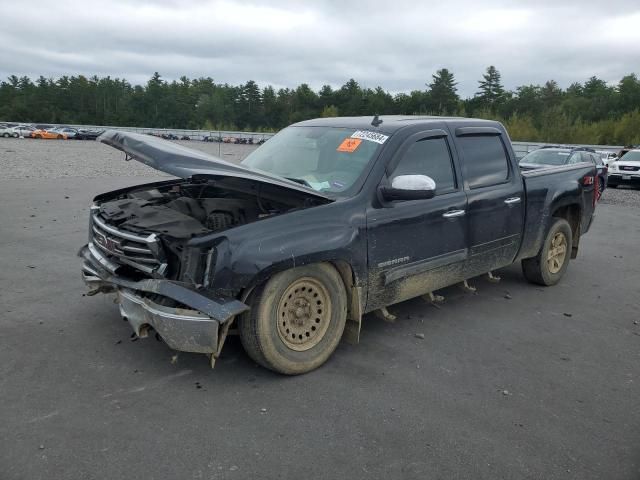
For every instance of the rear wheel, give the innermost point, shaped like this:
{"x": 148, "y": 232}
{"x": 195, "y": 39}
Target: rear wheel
{"x": 5, "y": 135}
{"x": 59, "y": 137}
{"x": 39, "y": 137}
{"x": 296, "y": 319}
{"x": 549, "y": 266}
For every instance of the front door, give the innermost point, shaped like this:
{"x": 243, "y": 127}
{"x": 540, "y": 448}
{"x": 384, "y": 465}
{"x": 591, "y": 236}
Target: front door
{"x": 417, "y": 246}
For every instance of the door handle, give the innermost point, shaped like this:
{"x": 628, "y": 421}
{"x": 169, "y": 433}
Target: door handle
{"x": 454, "y": 214}
{"x": 512, "y": 200}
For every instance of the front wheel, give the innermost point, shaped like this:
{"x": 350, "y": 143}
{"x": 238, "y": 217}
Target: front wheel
{"x": 296, "y": 319}
{"x": 5, "y": 135}
{"x": 548, "y": 267}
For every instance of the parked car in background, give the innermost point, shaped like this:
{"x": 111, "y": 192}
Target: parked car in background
{"x": 559, "y": 156}
{"x": 625, "y": 170}
{"x": 69, "y": 132}
{"x": 84, "y": 134}
{"x": 7, "y": 132}
{"x": 48, "y": 134}
{"x": 24, "y": 130}
{"x": 607, "y": 156}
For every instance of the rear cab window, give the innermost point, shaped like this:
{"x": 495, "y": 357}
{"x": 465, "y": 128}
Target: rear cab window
{"x": 484, "y": 160}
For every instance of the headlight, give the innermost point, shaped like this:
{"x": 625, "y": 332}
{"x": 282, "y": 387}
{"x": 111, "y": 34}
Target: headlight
{"x": 613, "y": 166}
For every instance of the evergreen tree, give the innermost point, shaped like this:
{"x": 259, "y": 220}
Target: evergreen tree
{"x": 443, "y": 96}
{"x": 491, "y": 92}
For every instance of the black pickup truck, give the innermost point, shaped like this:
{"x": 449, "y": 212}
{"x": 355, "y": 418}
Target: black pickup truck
{"x": 329, "y": 220}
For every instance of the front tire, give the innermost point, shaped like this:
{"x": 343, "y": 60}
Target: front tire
{"x": 549, "y": 266}
{"x": 296, "y": 319}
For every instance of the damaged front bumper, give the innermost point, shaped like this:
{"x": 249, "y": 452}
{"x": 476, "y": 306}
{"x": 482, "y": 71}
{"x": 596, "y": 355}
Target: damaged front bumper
{"x": 200, "y": 327}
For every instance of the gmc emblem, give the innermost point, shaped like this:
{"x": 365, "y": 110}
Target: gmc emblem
{"x": 107, "y": 243}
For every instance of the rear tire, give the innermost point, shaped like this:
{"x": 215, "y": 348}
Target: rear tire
{"x": 5, "y": 135}
{"x": 549, "y": 266}
{"x": 296, "y": 319}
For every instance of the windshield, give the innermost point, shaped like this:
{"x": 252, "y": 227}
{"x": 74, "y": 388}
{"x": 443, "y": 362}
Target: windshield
{"x": 324, "y": 158}
{"x": 546, "y": 157}
{"x": 632, "y": 156}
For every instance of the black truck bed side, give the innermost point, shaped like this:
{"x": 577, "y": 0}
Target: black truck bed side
{"x": 552, "y": 192}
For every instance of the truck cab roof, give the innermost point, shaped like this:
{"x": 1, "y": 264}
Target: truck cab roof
{"x": 391, "y": 123}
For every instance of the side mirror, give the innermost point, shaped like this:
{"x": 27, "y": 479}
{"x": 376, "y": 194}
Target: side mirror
{"x": 409, "y": 187}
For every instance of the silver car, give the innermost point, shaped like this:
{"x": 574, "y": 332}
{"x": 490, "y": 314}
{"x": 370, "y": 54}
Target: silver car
{"x": 23, "y": 130}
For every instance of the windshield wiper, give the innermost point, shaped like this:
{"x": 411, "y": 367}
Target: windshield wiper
{"x": 301, "y": 181}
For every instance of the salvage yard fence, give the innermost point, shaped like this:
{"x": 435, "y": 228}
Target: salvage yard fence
{"x": 520, "y": 148}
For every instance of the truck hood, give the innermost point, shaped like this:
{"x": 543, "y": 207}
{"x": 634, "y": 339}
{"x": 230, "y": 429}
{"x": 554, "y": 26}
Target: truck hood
{"x": 627, "y": 163}
{"x": 183, "y": 162}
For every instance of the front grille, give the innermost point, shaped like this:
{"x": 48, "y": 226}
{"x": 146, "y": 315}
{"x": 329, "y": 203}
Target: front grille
{"x": 629, "y": 168}
{"x": 141, "y": 253}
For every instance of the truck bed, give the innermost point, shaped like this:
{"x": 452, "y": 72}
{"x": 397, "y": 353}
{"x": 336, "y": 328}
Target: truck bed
{"x": 549, "y": 190}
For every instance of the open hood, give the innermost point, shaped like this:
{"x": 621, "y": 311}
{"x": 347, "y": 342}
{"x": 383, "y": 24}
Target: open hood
{"x": 184, "y": 162}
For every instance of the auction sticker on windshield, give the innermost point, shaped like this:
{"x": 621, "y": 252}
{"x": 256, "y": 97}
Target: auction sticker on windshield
{"x": 349, "y": 145}
{"x": 371, "y": 136}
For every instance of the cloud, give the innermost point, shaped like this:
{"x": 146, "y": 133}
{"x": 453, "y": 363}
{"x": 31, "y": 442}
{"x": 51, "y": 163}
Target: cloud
{"x": 397, "y": 45}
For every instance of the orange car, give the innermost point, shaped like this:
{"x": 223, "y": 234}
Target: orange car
{"x": 50, "y": 134}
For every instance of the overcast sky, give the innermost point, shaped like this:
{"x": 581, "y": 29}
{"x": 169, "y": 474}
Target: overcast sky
{"x": 397, "y": 44}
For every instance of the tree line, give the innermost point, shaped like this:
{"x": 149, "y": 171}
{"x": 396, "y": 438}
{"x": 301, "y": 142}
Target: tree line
{"x": 592, "y": 112}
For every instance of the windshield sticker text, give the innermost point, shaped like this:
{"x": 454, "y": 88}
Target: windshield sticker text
{"x": 371, "y": 136}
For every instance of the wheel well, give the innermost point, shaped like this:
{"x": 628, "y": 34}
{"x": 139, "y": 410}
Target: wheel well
{"x": 354, "y": 301}
{"x": 572, "y": 214}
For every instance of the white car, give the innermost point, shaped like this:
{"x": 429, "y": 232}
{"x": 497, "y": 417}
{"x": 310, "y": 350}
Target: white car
{"x": 7, "y": 132}
{"x": 607, "y": 157}
{"x": 625, "y": 170}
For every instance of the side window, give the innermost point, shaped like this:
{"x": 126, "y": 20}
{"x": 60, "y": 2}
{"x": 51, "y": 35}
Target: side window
{"x": 485, "y": 160}
{"x": 578, "y": 157}
{"x": 430, "y": 156}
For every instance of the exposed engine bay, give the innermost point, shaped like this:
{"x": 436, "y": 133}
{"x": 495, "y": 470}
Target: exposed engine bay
{"x": 186, "y": 209}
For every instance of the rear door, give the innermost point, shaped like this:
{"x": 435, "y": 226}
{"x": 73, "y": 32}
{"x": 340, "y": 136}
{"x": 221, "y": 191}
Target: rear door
{"x": 417, "y": 246}
{"x": 495, "y": 197}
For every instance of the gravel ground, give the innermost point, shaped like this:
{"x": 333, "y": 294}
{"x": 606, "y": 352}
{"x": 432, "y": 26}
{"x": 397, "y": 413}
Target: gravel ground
{"x": 627, "y": 196}
{"x": 27, "y": 158}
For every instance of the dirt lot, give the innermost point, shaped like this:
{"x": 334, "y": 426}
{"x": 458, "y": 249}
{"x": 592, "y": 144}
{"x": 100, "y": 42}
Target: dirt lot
{"x": 514, "y": 382}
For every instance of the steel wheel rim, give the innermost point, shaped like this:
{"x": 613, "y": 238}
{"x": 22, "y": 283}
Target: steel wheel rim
{"x": 557, "y": 252}
{"x": 304, "y": 314}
